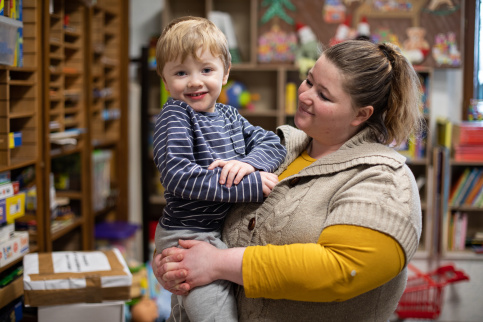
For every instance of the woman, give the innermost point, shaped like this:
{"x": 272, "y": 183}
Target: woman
{"x": 332, "y": 240}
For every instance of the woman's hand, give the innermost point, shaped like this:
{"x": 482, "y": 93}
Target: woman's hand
{"x": 173, "y": 280}
{"x": 199, "y": 263}
{"x": 180, "y": 270}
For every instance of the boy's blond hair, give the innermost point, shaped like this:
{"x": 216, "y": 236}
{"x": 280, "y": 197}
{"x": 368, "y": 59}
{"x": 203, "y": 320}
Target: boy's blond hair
{"x": 184, "y": 36}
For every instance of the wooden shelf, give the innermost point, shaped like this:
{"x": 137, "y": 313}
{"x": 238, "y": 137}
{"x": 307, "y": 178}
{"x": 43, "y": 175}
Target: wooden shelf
{"x": 67, "y": 229}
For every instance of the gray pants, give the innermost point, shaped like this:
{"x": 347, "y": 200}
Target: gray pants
{"x": 212, "y": 302}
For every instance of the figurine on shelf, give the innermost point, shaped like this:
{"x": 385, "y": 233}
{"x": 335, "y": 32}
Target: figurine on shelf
{"x": 309, "y": 49}
{"x": 416, "y": 48}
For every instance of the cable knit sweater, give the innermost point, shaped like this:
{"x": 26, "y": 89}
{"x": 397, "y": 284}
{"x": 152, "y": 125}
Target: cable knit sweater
{"x": 363, "y": 183}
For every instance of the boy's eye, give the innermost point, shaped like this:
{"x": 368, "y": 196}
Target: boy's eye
{"x": 180, "y": 73}
{"x": 206, "y": 70}
{"x": 308, "y": 82}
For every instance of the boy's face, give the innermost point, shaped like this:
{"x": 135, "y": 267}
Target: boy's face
{"x": 198, "y": 83}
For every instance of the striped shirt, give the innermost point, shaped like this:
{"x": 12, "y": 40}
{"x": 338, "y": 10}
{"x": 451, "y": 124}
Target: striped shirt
{"x": 186, "y": 142}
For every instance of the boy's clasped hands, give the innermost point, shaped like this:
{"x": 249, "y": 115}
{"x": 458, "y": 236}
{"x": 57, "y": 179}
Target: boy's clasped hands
{"x": 233, "y": 172}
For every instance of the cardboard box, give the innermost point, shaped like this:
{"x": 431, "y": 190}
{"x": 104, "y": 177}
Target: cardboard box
{"x": 15, "y": 207}
{"x": 82, "y": 312}
{"x": 14, "y": 248}
{"x": 75, "y": 277}
{"x": 11, "y": 292}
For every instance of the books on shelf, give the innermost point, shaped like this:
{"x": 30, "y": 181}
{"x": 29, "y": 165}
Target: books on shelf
{"x": 467, "y": 190}
{"x": 467, "y": 141}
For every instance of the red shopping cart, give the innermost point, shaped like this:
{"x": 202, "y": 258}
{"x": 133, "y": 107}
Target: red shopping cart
{"x": 423, "y": 296}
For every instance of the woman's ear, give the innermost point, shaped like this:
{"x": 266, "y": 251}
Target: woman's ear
{"x": 362, "y": 115}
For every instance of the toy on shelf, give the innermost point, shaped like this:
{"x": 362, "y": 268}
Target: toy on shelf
{"x": 309, "y": 49}
{"x": 236, "y": 94}
{"x": 277, "y": 46}
{"x": 416, "y": 48}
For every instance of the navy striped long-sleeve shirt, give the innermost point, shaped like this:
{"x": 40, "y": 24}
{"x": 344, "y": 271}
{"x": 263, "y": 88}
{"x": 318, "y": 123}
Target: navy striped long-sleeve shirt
{"x": 186, "y": 142}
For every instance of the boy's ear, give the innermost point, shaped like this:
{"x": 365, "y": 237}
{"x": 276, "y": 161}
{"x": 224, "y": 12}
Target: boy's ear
{"x": 165, "y": 84}
{"x": 227, "y": 74}
{"x": 362, "y": 115}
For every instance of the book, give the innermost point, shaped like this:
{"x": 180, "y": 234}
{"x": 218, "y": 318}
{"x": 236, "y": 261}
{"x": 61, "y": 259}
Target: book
{"x": 443, "y": 130}
{"x": 474, "y": 191}
{"x": 467, "y": 185}
{"x": 468, "y": 133}
{"x": 479, "y": 201}
{"x": 456, "y": 188}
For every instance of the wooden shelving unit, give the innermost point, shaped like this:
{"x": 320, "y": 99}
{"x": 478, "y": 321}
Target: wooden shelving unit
{"x": 475, "y": 214}
{"x": 21, "y": 111}
{"x": 66, "y": 133}
{"x": 108, "y": 103}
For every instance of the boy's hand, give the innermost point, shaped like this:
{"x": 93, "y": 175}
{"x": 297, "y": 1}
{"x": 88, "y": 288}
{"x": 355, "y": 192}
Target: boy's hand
{"x": 233, "y": 171}
{"x": 269, "y": 180}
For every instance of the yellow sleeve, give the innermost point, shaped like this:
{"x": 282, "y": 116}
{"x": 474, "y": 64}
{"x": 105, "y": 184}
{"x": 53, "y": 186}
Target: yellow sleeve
{"x": 345, "y": 262}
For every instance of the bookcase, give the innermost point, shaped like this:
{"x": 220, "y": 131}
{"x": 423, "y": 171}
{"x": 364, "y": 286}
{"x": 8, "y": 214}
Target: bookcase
{"x": 21, "y": 112}
{"x": 461, "y": 202}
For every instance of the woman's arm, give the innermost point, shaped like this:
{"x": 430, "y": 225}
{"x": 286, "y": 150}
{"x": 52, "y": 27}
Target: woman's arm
{"x": 345, "y": 262}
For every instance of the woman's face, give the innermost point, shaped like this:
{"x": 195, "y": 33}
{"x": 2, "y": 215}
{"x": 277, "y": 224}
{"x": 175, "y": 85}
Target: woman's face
{"x": 324, "y": 111}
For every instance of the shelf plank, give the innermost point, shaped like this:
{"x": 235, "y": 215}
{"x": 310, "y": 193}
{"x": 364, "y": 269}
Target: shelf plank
{"x": 17, "y": 164}
{"x": 67, "y": 229}
{"x": 157, "y": 200}
{"x": 21, "y": 115}
{"x": 71, "y": 194}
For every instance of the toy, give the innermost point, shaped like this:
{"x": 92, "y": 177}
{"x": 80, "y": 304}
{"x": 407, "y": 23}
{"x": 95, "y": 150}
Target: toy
{"x": 416, "y": 48}
{"x": 308, "y": 51}
{"x": 236, "y": 94}
{"x": 145, "y": 310}
{"x": 277, "y": 45}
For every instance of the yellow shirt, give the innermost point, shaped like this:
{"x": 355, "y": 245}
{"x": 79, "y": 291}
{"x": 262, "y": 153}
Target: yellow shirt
{"x": 345, "y": 262}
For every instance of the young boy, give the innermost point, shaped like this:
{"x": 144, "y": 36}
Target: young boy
{"x": 207, "y": 154}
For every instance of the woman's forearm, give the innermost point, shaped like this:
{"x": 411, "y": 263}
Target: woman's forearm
{"x": 228, "y": 265}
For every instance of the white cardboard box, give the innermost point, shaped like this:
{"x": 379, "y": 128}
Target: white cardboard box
{"x": 14, "y": 248}
{"x": 82, "y": 312}
{"x": 60, "y": 278}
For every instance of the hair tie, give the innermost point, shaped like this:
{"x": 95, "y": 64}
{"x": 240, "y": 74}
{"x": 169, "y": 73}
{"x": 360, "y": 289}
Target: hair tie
{"x": 384, "y": 50}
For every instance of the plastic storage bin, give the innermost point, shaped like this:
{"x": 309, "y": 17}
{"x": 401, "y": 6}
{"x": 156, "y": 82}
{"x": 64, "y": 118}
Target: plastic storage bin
{"x": 118, "y": 234}
{"x": 8, "y": 39}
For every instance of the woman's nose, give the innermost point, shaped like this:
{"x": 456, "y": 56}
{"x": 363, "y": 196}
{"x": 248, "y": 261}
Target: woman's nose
{"x": 305, "y": 96}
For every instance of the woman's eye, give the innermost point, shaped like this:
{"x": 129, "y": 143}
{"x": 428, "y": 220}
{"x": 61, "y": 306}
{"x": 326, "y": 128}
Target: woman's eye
{"x": 322, "y": 96}
{"x": 308, "y": 82}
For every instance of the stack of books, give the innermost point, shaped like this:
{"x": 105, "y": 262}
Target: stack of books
{"x": 468, "y": 141}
